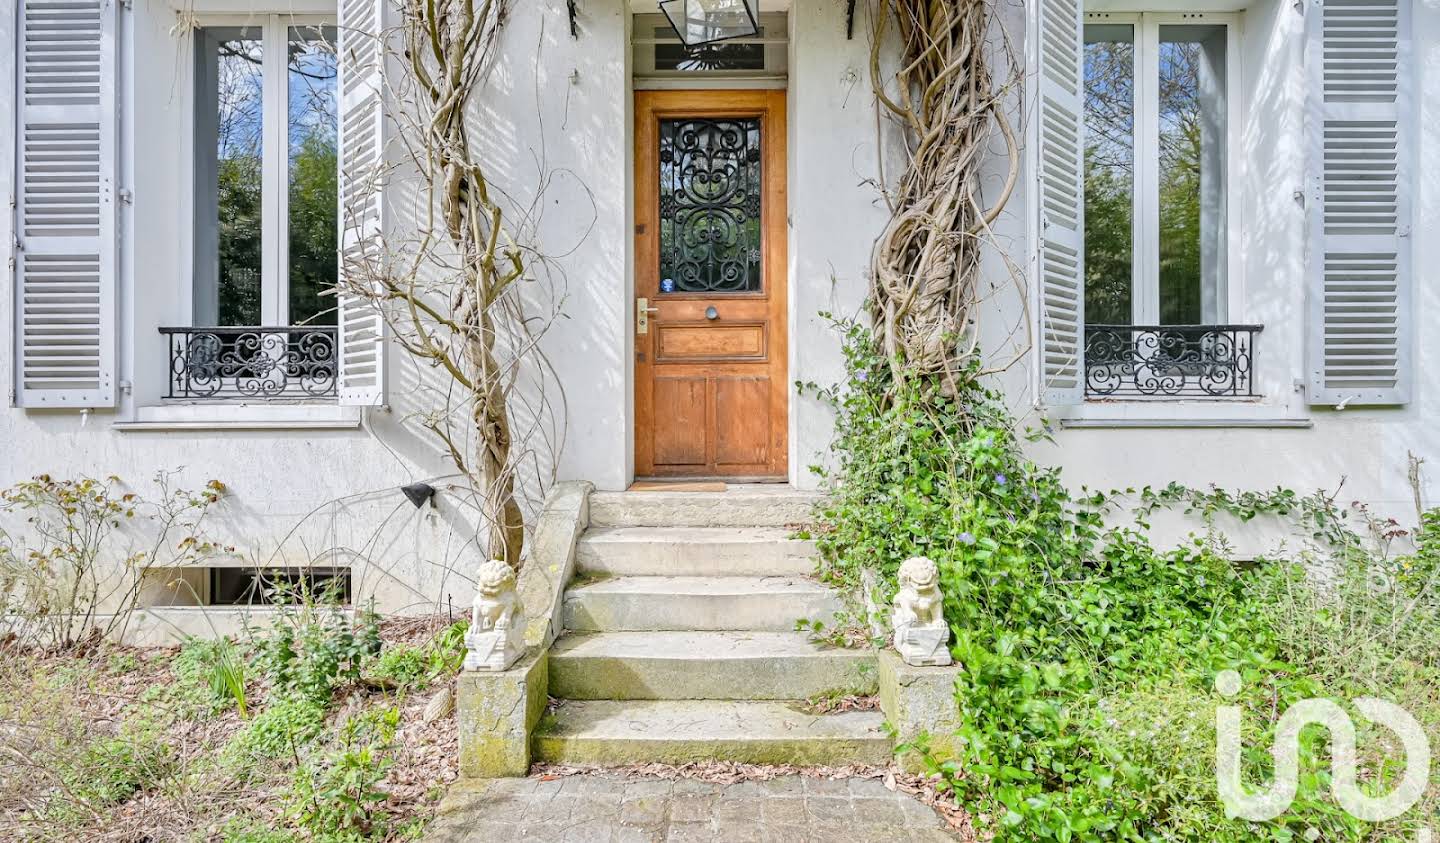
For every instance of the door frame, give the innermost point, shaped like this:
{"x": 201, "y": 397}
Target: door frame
{"x": 769, "y": 104}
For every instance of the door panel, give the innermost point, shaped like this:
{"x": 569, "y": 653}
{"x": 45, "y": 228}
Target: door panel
{"x": 677, "y": 343}
{"x": 711, "y": 388}
{"x": 742, "y": 421}
{"x": 683, "y": 402}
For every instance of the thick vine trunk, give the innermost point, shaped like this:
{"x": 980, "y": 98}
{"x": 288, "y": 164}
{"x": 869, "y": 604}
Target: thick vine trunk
{"x": 926, "y": 264}
{"x": 447, "y": 44}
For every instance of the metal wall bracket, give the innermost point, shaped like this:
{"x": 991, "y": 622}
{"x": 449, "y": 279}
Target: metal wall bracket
{"x": 849, "y": 20}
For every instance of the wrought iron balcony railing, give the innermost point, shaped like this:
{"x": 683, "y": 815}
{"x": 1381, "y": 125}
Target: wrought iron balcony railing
{"x": 1146, "y": 361}
{"x": 255, "y": 363}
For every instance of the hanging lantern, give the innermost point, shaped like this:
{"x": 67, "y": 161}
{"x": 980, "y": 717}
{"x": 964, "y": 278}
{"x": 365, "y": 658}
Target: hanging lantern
{"x": 706, "y": 21}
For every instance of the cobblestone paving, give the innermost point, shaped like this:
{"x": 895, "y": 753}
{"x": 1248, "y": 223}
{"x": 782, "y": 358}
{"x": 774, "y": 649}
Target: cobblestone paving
{"x": 603, "y": 809}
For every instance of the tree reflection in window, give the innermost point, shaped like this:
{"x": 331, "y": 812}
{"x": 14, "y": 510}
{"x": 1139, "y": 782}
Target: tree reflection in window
{"x": 313, "y": 200}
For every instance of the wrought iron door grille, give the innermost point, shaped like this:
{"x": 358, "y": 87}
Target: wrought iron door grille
{"x": 1147, "y": 361}
{"x": 255, "y": 363}
{"x": 710, "y": 214}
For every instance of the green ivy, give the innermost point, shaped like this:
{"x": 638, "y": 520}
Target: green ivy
{"x": 1087, "y": 658}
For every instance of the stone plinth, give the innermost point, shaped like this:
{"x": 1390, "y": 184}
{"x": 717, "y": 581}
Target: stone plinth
{"x": 920, "y": 700}
{"x": 498, "y": 712}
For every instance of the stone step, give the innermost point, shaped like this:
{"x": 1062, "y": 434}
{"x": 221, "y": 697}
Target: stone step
{"x": 694, "y": 552}
{"x": 741, "y": 505}
{"x": 698, "y": 603}
{"x": 704, "y": 666}
{"x": 677, "y": 732}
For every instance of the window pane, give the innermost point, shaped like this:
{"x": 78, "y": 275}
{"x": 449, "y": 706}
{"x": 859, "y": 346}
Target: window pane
{"x": 717, "y": 56}
{"x": 1109, "y": 172}
{"x": 228, "y": 112}
{"x": 709, "y": 206}
{"x": 1192, "y": 174}
{"x": 312, "y": 179}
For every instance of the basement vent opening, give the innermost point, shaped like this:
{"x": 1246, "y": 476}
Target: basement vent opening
{"x": 271, "y": 586}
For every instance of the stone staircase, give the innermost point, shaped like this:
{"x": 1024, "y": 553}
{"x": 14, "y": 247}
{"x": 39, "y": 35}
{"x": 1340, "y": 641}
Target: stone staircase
{"x": 680, "y": 642}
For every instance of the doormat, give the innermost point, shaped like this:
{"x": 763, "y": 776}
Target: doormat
{"x": 678, "y": 486}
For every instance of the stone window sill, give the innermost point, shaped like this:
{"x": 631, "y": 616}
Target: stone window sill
{"x": 239, "y": 416}
{"x": 1179, "y": 413}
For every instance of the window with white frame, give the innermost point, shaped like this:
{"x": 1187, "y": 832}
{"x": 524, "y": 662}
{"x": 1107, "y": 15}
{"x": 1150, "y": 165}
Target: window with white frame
{"x": 1137, "y": 118}
{"x": 266, "y": 209}
{"x": 1157, "y": 129}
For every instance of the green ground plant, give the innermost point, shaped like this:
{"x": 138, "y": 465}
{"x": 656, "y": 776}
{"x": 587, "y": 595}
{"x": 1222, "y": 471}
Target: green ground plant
{"x": 337, "y": 795}
{"x": 312, "y": 650}
{"x": 212, "y": 676}
{"x": 413, "y": 667}
{"x": 1087, "y": 656}
{"x": 111, "y": 770}
{"x": 279, "y": 732}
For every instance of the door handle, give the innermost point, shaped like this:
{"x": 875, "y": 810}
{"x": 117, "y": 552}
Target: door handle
{"x": 642, "y": 315}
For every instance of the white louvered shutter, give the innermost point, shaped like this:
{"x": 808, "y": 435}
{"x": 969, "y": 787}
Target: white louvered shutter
{"x": 1060, "y": 171}
{"x": 65, "y": 312}
{"x": 362, "y": 219}
{"x": 1359, "y": 172}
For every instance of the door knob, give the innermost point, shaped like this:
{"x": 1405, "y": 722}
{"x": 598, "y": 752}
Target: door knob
{"x": 711, "y": 313}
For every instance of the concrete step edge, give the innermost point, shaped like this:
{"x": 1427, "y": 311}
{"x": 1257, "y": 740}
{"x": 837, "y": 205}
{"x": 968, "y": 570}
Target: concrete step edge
{"x": 624, "y": 732}
{"x": 698, "y": 604}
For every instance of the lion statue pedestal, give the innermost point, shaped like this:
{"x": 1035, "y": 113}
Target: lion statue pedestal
{"x": 921, "y": 635}
{"x": 497, "y": 622}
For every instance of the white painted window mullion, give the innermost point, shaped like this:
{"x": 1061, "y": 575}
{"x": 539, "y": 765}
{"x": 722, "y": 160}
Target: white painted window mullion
{"x": 275, "y": 246}
{"x": 1145, "y": 298}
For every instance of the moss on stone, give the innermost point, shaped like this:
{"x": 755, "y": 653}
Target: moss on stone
{"x": 498, "y": 713}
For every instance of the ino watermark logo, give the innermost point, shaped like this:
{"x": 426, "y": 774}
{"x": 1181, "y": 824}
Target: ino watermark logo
{"x": 1270, "y": 802}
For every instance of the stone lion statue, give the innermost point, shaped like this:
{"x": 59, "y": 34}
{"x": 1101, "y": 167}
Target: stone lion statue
{"x": 497, "y": 626}
{"x": 921, "y": 634}
{"x": 494, "y": 597}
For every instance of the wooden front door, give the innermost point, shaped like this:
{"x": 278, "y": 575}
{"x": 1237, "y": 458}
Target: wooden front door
{"x": 710, "y": 381}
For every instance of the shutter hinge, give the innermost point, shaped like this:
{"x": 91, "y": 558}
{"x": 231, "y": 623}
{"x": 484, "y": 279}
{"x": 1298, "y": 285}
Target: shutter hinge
{"x": 125, "y": 195}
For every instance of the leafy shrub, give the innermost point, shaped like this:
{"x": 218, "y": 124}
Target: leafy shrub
{"x": 74, "y": 573}
{"x": 1087, "y": 658}
{"x": 338, "y": 796}
{"x": 311, "y": 651}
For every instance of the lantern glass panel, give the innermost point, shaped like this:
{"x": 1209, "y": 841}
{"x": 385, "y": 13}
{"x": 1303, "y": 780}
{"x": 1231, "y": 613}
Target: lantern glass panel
{"x": 705, "y": 21}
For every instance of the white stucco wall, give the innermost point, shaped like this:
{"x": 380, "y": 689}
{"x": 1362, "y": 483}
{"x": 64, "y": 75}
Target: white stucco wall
{"x": 1279, "y": 440}
{"x": 557, "y": 116}
{"x": 555, "y": 113}
{"x": 835, "y": 211}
